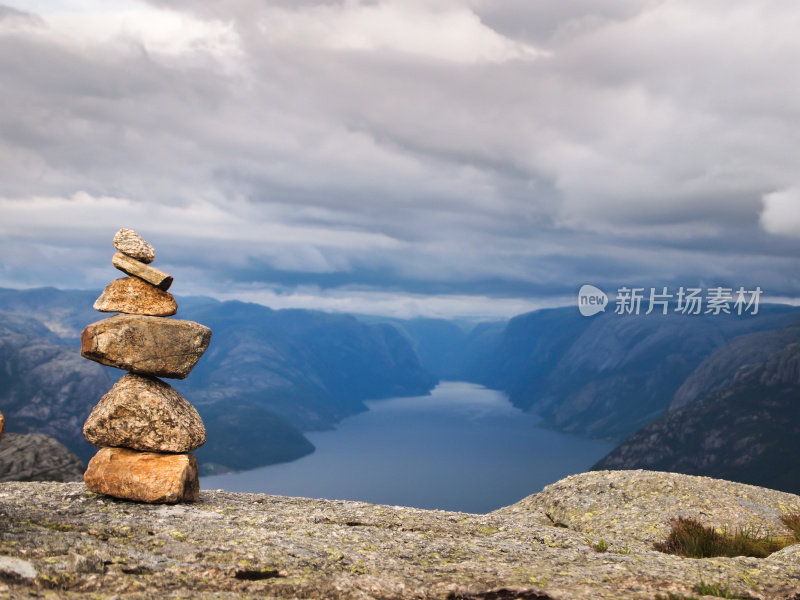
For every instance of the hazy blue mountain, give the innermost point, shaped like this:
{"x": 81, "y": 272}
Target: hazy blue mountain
{"x": 270, "y": 375}
{"x": 718, "y": 370}
{"x": 45, "y": 385}
{"x": 747, "y": 430}
{"x": 37, "y": 457}
{"x": 527, "y": 350}
{"x": 63, "y": 312}
{"x": 241, "y": 436}
{"x": 267, "y": 375}
{"x": 608, "y": 375}
{"x": 311, "y": 368}
{"x": 446, "y": 348}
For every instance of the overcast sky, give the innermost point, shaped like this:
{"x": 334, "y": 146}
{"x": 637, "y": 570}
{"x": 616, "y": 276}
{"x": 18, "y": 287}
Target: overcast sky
{"x": 438, "y": 157}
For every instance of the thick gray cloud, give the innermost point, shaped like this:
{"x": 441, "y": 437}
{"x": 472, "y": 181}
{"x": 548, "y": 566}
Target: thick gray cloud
{"x": 463, "y": 156}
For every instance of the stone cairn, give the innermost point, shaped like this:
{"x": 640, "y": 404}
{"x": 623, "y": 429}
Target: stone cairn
{"x": 145, "y": 429}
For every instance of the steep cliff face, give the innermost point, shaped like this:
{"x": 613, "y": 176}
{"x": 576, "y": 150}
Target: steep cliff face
{"x": 609, "y": 375}
{"x": 308, "y": 367}
{"x": 60, "y": 539}
{"x": 720, "y": 368}
{"x": 747, "y": 431}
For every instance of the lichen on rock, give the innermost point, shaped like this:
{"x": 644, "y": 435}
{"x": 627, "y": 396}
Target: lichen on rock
{"x": 230, "y": 545}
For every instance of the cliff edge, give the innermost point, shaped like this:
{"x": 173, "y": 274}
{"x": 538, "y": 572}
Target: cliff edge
{"x": 60, "y": 540}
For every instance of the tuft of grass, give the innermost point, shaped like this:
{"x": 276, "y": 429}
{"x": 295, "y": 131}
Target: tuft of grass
{"x": 692, "y": 539}
{"x": 624, "y": 550}
{"x": 600, "y": 546}
{"x": 792, "y": 521}
{"x": 719, "y": 590}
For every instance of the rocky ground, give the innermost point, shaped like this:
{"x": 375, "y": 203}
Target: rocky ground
{"x": 60, "y": 540}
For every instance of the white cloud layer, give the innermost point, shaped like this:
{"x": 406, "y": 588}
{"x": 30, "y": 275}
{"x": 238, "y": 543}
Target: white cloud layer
{"x": 781, "y": 213}
{"x": 451, "y": 33}
{"x": 397, "y": 305}
{"x": 127, "y": 22}
{"x": 507, "y": 149}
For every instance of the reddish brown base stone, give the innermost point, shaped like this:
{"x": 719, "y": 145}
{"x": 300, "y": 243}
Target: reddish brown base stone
{"x": 143, "y": 476}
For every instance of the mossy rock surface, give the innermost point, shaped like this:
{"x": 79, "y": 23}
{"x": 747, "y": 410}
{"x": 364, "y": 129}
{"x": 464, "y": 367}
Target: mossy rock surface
{"x": 636, "y": 506}
{"x": 232, "y": 545}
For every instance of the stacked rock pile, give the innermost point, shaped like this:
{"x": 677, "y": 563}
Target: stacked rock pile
{"x": 146, "y": 429}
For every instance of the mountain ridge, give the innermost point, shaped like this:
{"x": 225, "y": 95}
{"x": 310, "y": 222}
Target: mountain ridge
{"x": 608, "y": 375}
{"x": 746, "y": 428}
{"x": 267, "y": 376}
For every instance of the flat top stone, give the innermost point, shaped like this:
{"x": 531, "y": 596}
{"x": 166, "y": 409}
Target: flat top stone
{"x": 146, "y": 345}
{"x": 132, "y": 244}
{"x": 232, "y": 545}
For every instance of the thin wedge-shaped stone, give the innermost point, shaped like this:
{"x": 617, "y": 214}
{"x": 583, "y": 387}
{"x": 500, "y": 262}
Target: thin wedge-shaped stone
{"x": 143, "y": 476}
{"x": 131, "y": 266}
{"x": 146, "y": 345}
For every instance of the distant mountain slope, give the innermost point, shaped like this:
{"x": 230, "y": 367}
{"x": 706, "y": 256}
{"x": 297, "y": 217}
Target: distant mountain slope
{"x": 45, "y": 386}
{"x": 311, "y": 368}
{"x": 748, "y": 431}
{"x": 448, "y": 349}
{"x": 37, "y": 457}
{"x": 608, "y": 375}
{"x": 241, "y": 436}
{"x": 718, "y": 370}
{"x": 63, "y": 312}
{"x": 266, "y": 376}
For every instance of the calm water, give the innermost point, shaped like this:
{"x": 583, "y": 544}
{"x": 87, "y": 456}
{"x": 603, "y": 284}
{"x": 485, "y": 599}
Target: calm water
{"x": 464, "y": 447}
